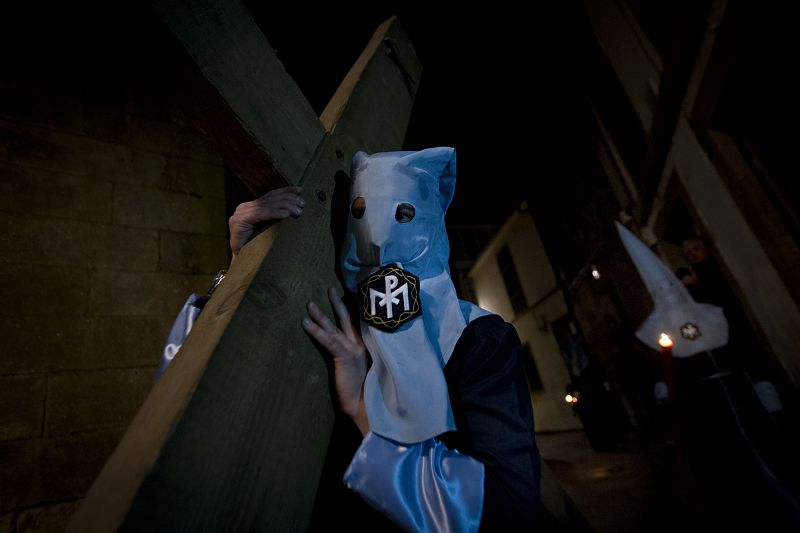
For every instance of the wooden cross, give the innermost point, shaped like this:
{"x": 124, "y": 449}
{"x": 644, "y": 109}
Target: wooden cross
{"x": 233, "y": 436}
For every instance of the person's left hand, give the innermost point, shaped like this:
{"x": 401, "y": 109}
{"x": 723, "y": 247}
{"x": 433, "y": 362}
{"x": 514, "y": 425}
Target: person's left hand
{"x": 277, "y": 204}
{"x": 349, "y": 356}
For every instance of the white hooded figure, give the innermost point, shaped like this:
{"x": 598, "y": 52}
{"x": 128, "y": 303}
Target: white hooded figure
{"x": 693, "y": 327}
{"x": 395, "y": 258}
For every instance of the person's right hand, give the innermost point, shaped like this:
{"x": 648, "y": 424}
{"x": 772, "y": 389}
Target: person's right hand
{"x": 277, "y": 204}
{"x": 349, "y": 356}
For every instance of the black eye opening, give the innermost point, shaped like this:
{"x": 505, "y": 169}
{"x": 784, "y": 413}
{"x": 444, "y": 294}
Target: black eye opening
{"x": 404, "y": 213}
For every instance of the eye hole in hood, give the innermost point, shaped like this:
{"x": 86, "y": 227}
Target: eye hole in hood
{"x": 404, "y": 213}
{"x": 358, "y": 207}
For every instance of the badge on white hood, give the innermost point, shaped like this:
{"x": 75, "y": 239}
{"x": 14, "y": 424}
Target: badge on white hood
{"x": 394, "y": 257}
{"x": 390, "y": 298}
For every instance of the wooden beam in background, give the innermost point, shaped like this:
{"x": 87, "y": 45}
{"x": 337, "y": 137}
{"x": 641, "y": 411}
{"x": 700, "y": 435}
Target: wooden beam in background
{"x": 239, "y": 92}
{"x": 234, "y": 435}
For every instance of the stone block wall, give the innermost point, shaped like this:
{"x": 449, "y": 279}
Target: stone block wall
{"x": 112, "y": 210}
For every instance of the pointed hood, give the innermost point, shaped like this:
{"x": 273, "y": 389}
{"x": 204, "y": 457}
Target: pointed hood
{"x": 693, "y": 327}
{"x": 394, "y": 257}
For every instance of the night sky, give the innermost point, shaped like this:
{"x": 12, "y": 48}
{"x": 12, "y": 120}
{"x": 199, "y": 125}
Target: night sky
{"x": 496, "y": 86}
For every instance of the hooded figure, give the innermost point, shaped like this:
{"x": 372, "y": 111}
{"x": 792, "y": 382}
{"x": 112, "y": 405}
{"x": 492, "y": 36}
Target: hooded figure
{"x": 693, "y": 327}
{"x": 395, "y": 259}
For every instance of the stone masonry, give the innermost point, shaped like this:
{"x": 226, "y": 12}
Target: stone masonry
{"x": 112, "y": 210}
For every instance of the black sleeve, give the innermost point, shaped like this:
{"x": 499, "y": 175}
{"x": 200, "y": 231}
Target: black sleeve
{"x": 494, "y": 419}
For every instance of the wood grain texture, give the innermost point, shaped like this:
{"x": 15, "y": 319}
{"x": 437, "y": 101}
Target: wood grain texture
{"x": 240, "y": 93}
{"x": 234, "y": 435}
{"x": 770, "y": 303}
{"x": 112, "y": 492}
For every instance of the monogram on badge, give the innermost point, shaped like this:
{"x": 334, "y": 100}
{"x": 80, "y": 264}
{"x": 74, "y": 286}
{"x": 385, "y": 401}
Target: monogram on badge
{"x": 390, "y": 298}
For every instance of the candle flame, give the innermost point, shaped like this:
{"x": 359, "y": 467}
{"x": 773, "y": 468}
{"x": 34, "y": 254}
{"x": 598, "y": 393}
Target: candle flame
{"x": 664, "y": 341}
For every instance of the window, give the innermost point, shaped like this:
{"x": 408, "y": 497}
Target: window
{"x": 511, "y": 280}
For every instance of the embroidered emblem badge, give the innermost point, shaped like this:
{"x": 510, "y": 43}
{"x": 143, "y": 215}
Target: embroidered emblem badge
{"x": 689, "y": 331}
{"x": 390, "y": 298}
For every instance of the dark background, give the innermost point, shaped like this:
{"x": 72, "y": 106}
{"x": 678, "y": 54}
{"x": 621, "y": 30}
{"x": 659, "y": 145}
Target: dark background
{"x": 499, "y": 85}
{"x": 495, "y": 85}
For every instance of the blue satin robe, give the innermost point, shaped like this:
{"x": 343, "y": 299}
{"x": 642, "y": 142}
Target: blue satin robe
{"x": 491, "y": 458}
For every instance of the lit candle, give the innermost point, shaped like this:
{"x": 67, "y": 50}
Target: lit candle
{"x": 664, "y": 341}
{"x": 666, "y": 361}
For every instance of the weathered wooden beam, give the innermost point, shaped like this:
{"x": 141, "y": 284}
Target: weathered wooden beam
{"x": 401, "y": 57}
{"x": 240, "y": 93}
{"x": 689, "y": 29}
{"x": 761, "y": 209}
{"x": 113, "y": 491}
{"x": 234, "y": 435}
{"x": 765, "y": 295}
{"x": 636, "y": 64}
{"x": 725, "y": 36}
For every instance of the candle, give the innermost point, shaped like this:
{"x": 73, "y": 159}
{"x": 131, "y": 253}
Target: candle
{"x": 666, "y": 361}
